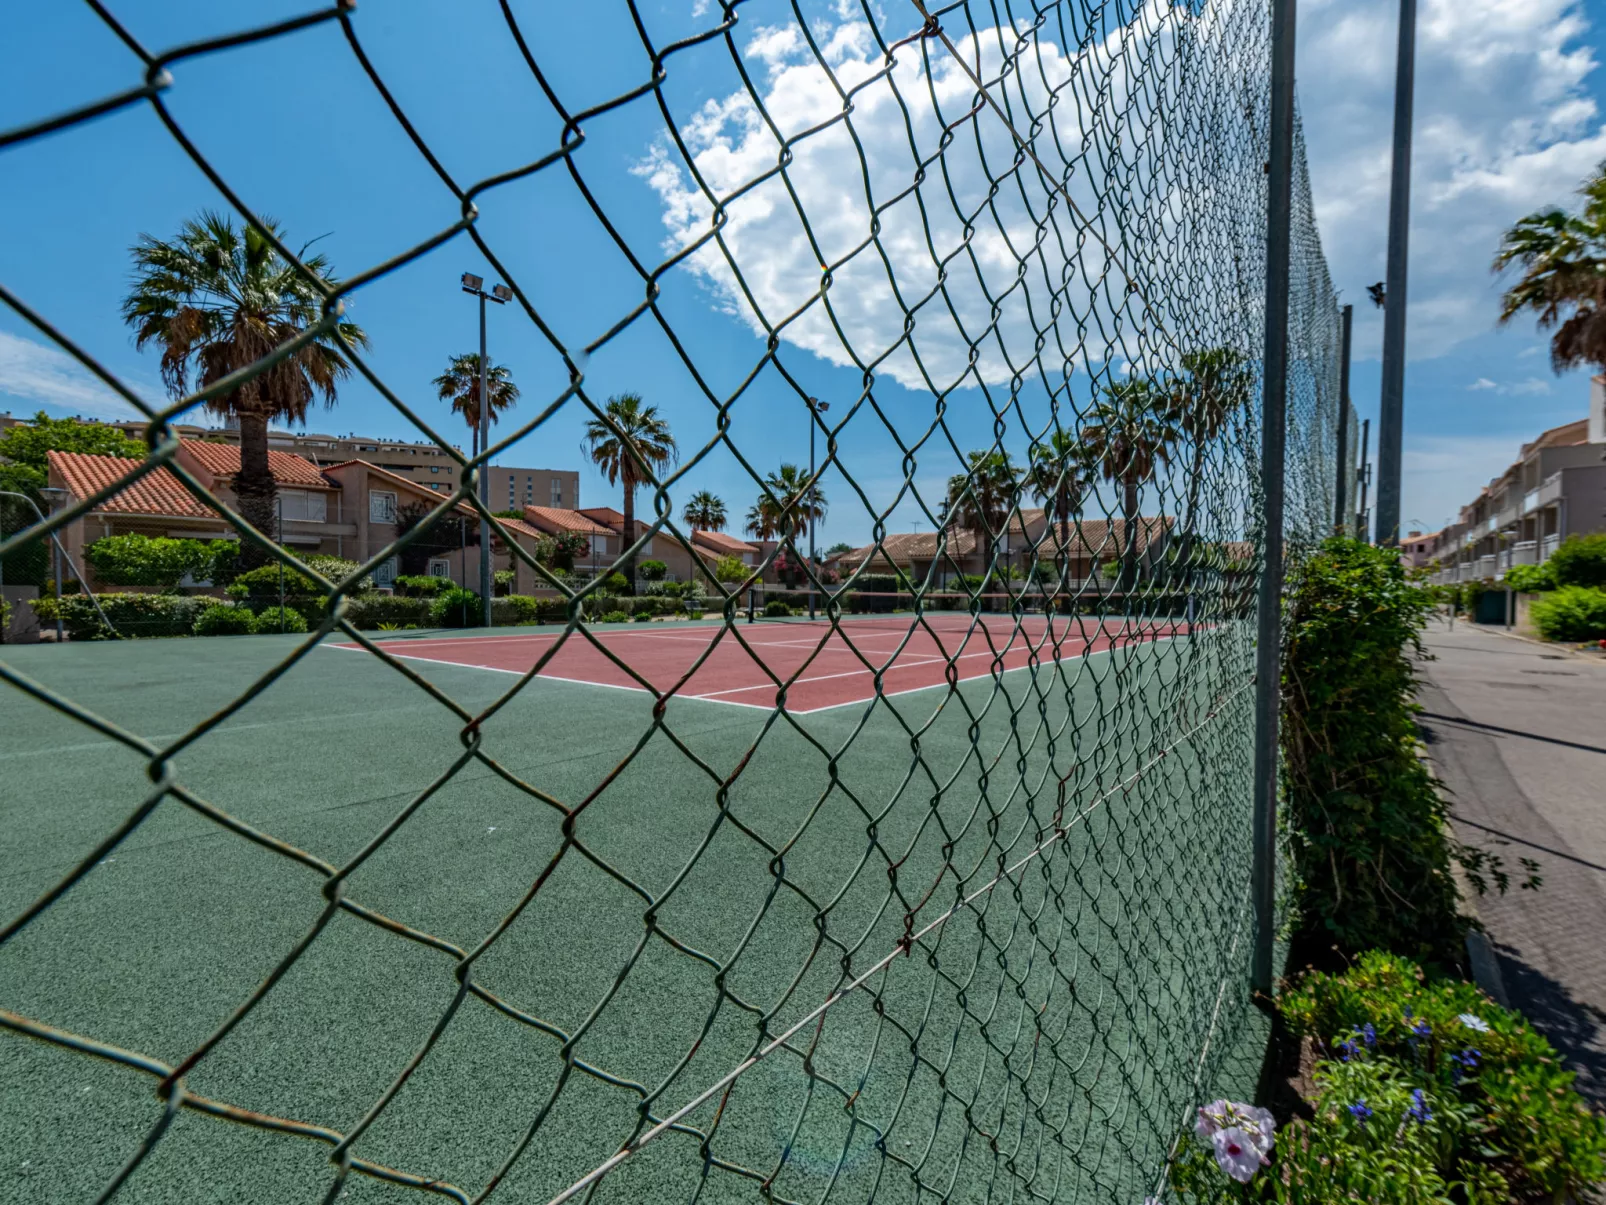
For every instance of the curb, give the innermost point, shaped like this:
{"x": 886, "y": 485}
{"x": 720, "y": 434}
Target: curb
{"x": 1548, "y": 646}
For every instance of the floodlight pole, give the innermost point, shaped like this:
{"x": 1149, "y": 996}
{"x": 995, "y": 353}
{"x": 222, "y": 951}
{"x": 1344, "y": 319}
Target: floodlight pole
{"x": 1273, "y": 436}
{"x": 1391, "y": 412}
{"x": 1341, "y": 486}
{"x": 815, "y": 407}
{"x": 499, "y": 294}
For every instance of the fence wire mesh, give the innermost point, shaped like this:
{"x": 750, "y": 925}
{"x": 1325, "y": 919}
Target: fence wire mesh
{"x": 985, "y": 940}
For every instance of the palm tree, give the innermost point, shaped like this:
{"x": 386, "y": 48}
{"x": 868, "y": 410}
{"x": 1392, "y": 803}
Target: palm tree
{"x": 1130, "y": 438}
{"x": 777, "y": 517}
{"x": 1058, "y": 478}
{"x": 627, "y": 444}
{"x": 979, "y": 499}
{"x": 460, "y": 385}
{"x": 706, "y": 511}
{"x": 1218, "y": 383}
{"x": 1563, "y": 259}
{"x": 218, "y": 299}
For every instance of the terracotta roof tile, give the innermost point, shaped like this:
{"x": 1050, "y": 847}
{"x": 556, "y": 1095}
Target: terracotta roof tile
{"x": 158, "y": 492}
{"x": 718, "y": 541}
{"x": 223, "y": 460}
{"x": 555, "y": 518}
{"x": 396, "y": 479}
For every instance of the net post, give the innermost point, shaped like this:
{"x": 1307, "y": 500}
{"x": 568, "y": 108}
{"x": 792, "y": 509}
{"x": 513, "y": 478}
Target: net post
{"x": 1268, "y": 644}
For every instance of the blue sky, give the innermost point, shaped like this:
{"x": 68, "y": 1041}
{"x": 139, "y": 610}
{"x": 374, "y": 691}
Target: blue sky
{"x": 1508, "y": 119}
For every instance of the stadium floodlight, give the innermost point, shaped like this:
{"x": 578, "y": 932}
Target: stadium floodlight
{"x": 501, "y": 293}
{"x": 472, "y": 283}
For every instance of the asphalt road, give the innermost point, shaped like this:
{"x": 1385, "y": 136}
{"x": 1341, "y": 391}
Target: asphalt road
{"x": 1517, "y": 732}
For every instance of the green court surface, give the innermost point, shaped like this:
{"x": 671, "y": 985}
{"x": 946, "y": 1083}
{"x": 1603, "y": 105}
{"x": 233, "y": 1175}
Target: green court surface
{"x": 1070, "y": 847}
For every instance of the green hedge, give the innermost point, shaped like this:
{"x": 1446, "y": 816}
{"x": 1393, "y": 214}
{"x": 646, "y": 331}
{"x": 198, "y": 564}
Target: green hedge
{"x": 279, "y": 619}
{"x": 224, "y": 619}
{"x": 133, "y": 615}
{"x": 1570, "y": 613}
{"x": 1580, "y": 561}
{"x": 421, "y": 586}
{"x": 369, "y": 611}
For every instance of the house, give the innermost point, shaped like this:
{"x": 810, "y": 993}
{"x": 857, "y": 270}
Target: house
{"x": 711, "y": 546}
{"x": 1416, "y": 550}
{"x": 1555, "y": 488}
{"x": 377, "y": 504}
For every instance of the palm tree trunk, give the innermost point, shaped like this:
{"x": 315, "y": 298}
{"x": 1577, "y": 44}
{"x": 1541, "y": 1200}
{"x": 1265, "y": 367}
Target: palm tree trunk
{"x": 629, "y": 536}
{"x": 1129, "y": 541}
{"x": 254, "y": 488}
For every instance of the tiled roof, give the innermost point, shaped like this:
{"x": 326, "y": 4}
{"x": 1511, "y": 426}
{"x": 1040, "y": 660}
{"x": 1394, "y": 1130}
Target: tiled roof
{"x": 556, "y": 518}
{"x": 521, "y": 527}
{"x": 1092, "y": 537}
{"x": 158, "y": 492}
{"x": 223, "y": 460}
{"x": 607, "y": 516}
{"x": 396, "y": 479}
{"x": 907, "y": 546}
{"x": 718, "y": 541}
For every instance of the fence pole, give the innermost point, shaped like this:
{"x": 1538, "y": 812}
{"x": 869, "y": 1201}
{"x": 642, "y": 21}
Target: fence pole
{"x": 1341, "y": 521}
{"x": 1391, "y": 412}
{"x": 1273, "y": 435}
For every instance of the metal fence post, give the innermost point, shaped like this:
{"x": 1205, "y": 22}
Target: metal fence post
{"x": 1391, "y": 412}
{"x": 1341, "y": 520}
{"x": 1268, "y": 644}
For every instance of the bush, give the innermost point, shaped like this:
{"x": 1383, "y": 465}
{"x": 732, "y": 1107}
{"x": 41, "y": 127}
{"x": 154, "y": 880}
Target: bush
{"x": 279, "y": 619}
{"x": 616, "y": 583}
{"x": 559, "y": 551}
{"x": 137, "y": 560}
{"x": 337, "y": 569}
{"x": 134, "y": 615}
{"x": 777, "y": 609}
{"x": 373, "y": 611}
{"x": 220, "y": 619}
{"x": 501, "y": 582}
{"x": 615, "y": 617}
{"x": 419, "y": 585}
{"x": 1364, "y": 821}
{"x": 651, "y": 571}
{"x": 729, "y": 569}
{"x": 1580, "y": 561}
{"x": 457, "y": 608}
{"x": 1528, "y": 579}
{"x": 1570, "y": 613}
{"x": 260, "y": 589}
{"x": 517, "y": 609}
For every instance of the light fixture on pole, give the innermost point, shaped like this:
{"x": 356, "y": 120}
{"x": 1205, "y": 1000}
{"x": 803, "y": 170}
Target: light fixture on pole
{"x": 816, "y": 406}
{"x": 500, "y": 294}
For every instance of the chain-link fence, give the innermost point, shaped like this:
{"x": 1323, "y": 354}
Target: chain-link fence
{"x": 984, "y": 937}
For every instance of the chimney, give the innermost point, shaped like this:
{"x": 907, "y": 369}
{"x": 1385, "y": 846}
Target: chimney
{"x": 1597, "y": 410}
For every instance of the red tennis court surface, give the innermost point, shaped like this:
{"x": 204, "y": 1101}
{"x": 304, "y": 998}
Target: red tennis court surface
{"x": 820, "y": 669}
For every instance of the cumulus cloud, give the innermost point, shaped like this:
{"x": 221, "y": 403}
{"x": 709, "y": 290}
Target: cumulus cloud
{"x": 1504, "y": 125}
{"x": 39, "y": 373}
{"x": 944, "y": 259}
{"x": 1528, "y": 387}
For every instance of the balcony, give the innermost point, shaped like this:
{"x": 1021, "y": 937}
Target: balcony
{"x": 1485, "y": 566}
{"x": 1549, "y": 491}
{"x": 1507, "y": 517}
{"x": 1525, "y": 552}
{"x": 1547, "y": 546}
{"x": 1530, "y": 502}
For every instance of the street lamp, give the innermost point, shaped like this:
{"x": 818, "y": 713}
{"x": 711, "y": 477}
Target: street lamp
{"x": 816, "y": 406}
{"x": 500, "y": 294}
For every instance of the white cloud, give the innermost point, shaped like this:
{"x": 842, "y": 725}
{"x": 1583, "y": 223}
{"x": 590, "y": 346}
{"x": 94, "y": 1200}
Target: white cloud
{"x": 1444, "y": 473}
{"x": 700, "y": 8}
{"x": 1504, "y": 125}
{"x": 1482, "y": 383}
{"x": 43, "y": 374}
{"x": 1528, "y": 387}
{"x": 1529, "y": 352}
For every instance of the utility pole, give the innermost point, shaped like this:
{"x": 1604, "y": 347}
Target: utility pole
{"x": 1362, "y": 476}
{"x": 1273, "y": 436}
{"x": 1341, "y": 486}
{"x": 500, "y": 294}
{"x": 1391, "y": 413}
{"x": 816, "y": 406}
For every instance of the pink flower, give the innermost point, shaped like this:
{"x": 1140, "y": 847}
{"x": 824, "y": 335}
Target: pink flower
{"x": 1237, "y": 1153}
{"x": 1212, "y": 1117}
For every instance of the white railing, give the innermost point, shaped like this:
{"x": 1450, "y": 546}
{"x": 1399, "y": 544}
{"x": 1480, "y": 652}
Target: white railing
{"x": 1550, "y": 490}
{"x": 1547, "y": 546}
{"x": 1525, "y": 552}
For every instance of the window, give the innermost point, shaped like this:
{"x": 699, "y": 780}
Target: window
{"x": 382, "y": 508}
{"x": 303, "y": 505}
{"x": 439, "y": 566}
{"x": 599, "y": 545}
{"x": 385, "y": 571}
{"x": 747, "y": 558}
{"x": 434, "y": 468}
{"x": 557, "y": 492}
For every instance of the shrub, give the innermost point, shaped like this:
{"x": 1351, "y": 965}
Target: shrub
{"x": 1580, "y": 561}
{"x": 651, "y": 571}
{"x": 374, "y": 611}
{"x": 501, "y": 582}
{"x": 5, "y": 620}
{"x": 279, "y": 619}
{"x": 616, "y": 583}
{"x": 220, "y": 619}
{"x": 259, "y": 588}
{"x": 516, "y": 609}
{"x": 1570, "y": 613}
{"x": 457, "y": 608}
{"x": 559, "y": 551}
{"x": 881, "y": 583}
{"x": 1364, "y": 822}
{"x": 777, "y": 609}
{"x": 615, "y": 617}
{"x": 417, "y": 585}
{"x": 337, "y": 569}
{"x": 137, "y": 560}
{"x": 1528, "y": 579}
{"x": 729, "y": 569}
{"x": 133, "y": 615}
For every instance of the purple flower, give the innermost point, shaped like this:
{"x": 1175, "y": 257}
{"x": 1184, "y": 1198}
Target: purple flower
{"x": 1360, "y": 1111}
{"x": 1368, "y": 1034}
{"x": 1419, "y": 1106}
{"x": 1212, "y": 1117}
{"x": 1347, "y": 1050}
{"x": 1422, "y": 1029}
{"x": 1236, "y": 1153}
{"x": 1465, "y": 1062}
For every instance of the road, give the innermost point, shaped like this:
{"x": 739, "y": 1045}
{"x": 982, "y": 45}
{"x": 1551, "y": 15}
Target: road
{"x": 1517, "y": 732}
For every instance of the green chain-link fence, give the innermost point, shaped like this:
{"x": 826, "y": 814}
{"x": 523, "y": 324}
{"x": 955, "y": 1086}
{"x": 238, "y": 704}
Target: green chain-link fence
{"x": 985, "y": 941}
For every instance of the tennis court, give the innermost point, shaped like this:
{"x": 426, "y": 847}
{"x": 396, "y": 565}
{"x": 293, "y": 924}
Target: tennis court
{"x": 807, "y": 665}
{"x": 942, "y": 945}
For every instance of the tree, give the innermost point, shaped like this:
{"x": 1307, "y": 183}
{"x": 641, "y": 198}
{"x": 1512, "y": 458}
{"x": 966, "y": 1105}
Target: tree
{"x": 1058, "y": 477}
{"x": 979, "y": 499}
{"x": 27, "y": 446}
{"x": 706, "y": 511}
{"x": 1131, "y": 437}
{"x": 1216, "y": 384}
{"x": 218, "y": 300}
{"x": 839, "y": 548}
{"x": 783, "y": 509}
{"x": 460, "y": 385}
{"x": 627, "y": 444}
{"x": 1563, "y": 261}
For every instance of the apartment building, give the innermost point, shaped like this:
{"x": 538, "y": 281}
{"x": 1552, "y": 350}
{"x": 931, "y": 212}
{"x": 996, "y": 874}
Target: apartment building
{"x": 1555, "y": 488}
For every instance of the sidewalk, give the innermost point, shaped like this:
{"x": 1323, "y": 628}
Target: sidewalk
{"x": 1518, "y": 734}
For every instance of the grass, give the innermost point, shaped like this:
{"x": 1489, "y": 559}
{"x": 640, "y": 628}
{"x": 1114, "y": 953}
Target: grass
{"x": 1049, "y": 1036}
